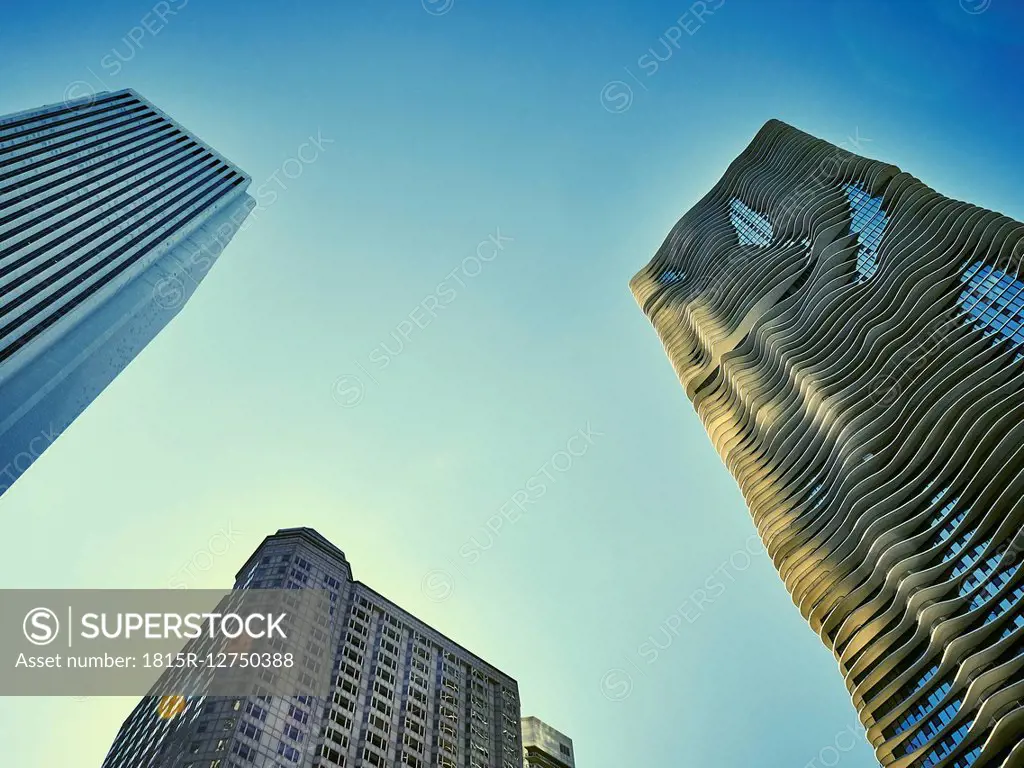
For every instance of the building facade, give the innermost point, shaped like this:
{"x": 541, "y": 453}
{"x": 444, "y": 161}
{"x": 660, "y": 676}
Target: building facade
{"x": 544, "y": 747}
{"x": 852, "y": 342}
{"x": 401, "y": 693}
{"x": 110, "y": 215}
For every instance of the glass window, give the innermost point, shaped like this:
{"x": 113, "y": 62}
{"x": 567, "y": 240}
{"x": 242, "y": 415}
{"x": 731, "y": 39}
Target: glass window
{"x": 751, "y": 227}
{"x": 868, "y": 224}
{"x": 994, "y": 299}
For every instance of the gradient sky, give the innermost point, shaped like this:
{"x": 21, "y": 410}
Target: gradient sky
{"x": 438, "y": 131}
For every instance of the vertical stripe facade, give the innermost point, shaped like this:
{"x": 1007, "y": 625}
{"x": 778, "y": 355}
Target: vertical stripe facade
{"x": 110, "y": 215}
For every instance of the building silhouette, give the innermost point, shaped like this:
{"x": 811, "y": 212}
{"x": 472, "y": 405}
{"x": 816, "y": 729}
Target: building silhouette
{"x": 110, "y": 215}
{"x": 399, "y": 692}
{"x": 544, "y": 747}
{"x": 852, "y": 342}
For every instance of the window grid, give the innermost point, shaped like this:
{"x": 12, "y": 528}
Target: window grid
{"x": 921, "y": 710}
{"x": 868, "y": 224}
{"x": 994, "y": 299}
{"x": 670, "y": 276}
{"x": 946, "y": 746}
{"x": 751, "y": 227}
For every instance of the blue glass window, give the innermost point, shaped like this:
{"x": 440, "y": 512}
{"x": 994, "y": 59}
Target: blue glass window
{"x": 751, "y": 227}
{"x": 946, "y": 746}
{"x": 920, "y": 710}
{"x": 289, "y": 753}
{"x": 925, "y": 677}
{"x": 968, "y": 559}
{"x": 1008, "y": 602}
{"x": 949, "y": 524}
{"x": 868, "y": 224}
{"x": 670, "y": 276}
{"x": 994, "y": 299}
{"x": 967, "y": 759}
{"x": 997, "y": 582}
{"x": 934, "y": 725}
{"x": 1017, "y": 623}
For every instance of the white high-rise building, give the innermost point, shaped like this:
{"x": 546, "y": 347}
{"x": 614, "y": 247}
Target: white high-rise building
{"x": 544, "y": 747}
{"x": 400, "y": 693}
{"x": 110, "y": 215}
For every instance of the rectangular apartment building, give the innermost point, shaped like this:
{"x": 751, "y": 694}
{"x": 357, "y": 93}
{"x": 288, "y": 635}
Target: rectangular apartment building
{"x": 402, "y": 694}
{"x": 111, "y": 214}
{"x": 544, "y": 747}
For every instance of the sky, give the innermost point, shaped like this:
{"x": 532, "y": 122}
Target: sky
{"x": 515, "y": 163}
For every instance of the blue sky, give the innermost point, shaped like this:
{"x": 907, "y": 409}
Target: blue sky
{"x": 544, "y": 127}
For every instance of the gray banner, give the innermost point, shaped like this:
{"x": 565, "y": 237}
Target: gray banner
{"x": 166, "y": 642}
